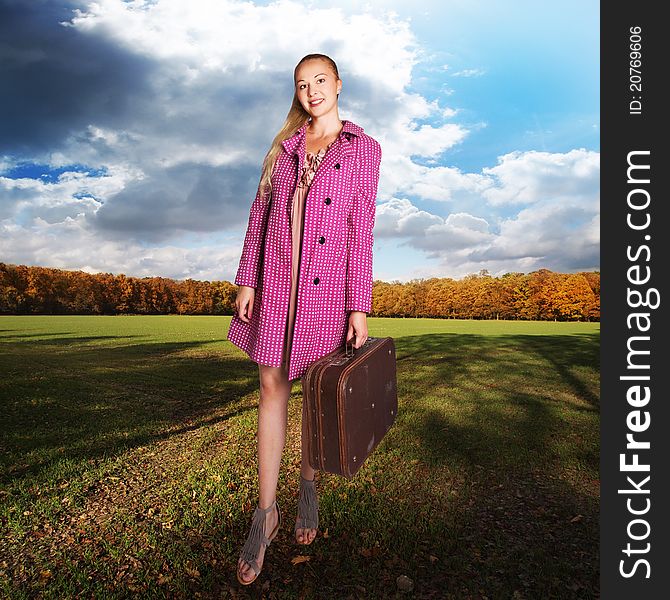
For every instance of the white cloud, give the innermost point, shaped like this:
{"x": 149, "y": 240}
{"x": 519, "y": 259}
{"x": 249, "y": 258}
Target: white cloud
{"x": 469, "y": 73}
{"x": 207, "y": 36}
{"x": 558, "y": 229}
{"x": 439, "y": 183}
{"x": 70, "y": 244}
{"x": 563, "y": 232}
{"x": 199, "y": 121}
{"x": 211, "y": 84}
{"x": 71, "y": 194}
{"x": 428, "y": 232}
{"x": 527, "y": 177}
{"x": 400, "y": 218}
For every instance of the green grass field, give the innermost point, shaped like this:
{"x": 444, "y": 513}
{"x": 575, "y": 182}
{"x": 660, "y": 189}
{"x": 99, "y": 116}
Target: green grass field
{"x": 129, "y": 465}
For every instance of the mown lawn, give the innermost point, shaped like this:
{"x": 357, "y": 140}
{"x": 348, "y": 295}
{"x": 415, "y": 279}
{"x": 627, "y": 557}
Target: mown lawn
{"x": 128, "y": 465}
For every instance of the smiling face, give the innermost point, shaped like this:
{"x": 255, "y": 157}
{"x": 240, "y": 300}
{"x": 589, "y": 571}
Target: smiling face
{"x": 316, "y": 87}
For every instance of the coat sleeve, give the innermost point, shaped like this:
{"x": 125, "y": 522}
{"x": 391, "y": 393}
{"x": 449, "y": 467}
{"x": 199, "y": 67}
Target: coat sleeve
{"x": 359, "y": 231}
{"x": 247, "y": 272}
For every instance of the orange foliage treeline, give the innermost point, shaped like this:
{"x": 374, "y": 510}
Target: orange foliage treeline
{"x": 541, "y": 295}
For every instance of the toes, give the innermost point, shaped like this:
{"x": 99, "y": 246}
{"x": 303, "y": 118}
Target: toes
{"x": 246, "y": 572}
{"x": 305, "y": 535}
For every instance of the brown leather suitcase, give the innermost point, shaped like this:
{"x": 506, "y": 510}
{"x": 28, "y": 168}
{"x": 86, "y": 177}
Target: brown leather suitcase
{"x": 350, "y": 401}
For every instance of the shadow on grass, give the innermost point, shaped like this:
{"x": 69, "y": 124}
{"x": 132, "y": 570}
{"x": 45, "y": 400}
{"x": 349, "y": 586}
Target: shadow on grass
{"x": 506, "y": 394}
{"x": 70, "y": 398}
{"x": 22, "y": 335}
{"x": 493, "y": 398}
{"x": 483, "y": 482}
{"x": 517, "y": 416}
{"x": 487, "y": 484}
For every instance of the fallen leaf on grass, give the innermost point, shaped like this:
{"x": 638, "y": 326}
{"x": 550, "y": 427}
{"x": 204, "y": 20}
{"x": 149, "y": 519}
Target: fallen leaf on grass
{"x": 300, "y": 559}
{"x": 576, "y": 519}
{"x": 44, "y": 576}
{"x": 404, "y": 583}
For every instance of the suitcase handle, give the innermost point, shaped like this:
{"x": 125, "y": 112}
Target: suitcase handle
{"x": 347, "y": 343}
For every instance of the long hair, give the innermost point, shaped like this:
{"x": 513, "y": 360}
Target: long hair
{"x": 295, "y": 119}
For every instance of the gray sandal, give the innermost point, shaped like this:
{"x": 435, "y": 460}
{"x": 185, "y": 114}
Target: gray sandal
{"x": 257, "y": 537}
{"x": 308, "y": 509}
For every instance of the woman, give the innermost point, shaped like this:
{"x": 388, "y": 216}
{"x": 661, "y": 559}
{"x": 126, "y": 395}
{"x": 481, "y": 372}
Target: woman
{"x": 305, "y": 276}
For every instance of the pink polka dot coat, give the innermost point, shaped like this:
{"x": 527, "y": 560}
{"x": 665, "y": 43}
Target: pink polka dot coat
{"x": 335, "y": 273}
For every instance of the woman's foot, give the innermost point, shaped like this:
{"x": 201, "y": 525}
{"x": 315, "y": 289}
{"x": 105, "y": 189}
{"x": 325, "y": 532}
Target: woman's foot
{"x": 307, "y": 522}
{"x": 305, "y": 535}
{"x": 245, "y": 572}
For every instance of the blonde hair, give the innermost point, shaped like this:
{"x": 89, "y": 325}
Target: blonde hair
{"x": 295, "y": 119}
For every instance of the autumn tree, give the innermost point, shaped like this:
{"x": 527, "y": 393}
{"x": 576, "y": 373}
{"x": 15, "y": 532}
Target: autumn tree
{"x": 541, "y": 294}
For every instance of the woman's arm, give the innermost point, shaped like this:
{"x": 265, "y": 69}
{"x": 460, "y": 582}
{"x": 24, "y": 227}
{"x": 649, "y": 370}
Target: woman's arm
{"x": 244, "y": 302}
{"x": 359, "y": 234}
{"x": 247, "y": 273}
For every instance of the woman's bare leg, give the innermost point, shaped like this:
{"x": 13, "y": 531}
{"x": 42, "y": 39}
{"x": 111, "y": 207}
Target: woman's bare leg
{"x": 272, "y": 417}
{"x": 305, "y": 535}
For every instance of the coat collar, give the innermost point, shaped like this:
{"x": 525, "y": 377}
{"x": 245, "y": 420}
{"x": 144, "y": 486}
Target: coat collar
{"x": 296, "y": 143}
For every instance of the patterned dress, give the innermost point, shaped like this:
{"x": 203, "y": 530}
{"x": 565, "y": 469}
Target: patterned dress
{"x": 310, "y": 166}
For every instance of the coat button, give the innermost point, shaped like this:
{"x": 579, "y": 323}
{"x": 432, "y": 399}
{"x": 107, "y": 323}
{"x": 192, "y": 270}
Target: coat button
{"x": 316, "y": 280}
{"x": 337, "y": 165}
{"x": 322, "y": 240}
{"x": 327, "y": 200}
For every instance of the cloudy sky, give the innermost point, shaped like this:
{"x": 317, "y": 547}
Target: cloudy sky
{"x": 132, "y": 132}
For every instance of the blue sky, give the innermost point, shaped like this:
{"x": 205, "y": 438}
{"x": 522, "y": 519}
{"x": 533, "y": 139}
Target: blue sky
{"x": 132, "y": 136}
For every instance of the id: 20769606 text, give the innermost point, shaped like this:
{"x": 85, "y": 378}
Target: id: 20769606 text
{"x": 635, "y": 70}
